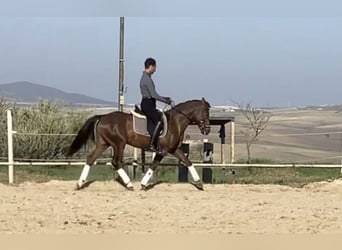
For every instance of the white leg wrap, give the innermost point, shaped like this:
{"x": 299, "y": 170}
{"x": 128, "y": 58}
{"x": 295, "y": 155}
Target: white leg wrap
{"x": 194, "y": 173}
{"x": 147, "y": 177}
{"x": 84, "y": 174}
{"x": 124, "y": 177}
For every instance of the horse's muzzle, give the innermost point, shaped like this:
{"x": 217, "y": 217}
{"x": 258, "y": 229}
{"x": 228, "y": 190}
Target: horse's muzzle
{"x": 205, "y": 129}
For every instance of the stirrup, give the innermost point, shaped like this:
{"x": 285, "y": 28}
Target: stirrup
{"x": 153, "y": 148}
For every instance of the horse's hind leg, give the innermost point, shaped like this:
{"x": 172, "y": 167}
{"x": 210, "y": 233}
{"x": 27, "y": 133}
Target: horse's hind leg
{"x": 118, "y": 165}
{"x": 100, "y": 148}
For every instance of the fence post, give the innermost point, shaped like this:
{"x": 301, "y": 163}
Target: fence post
{"x": 135, "y": 162}
{"x": 232, "y": 142}
{"x": 143, "y": 158}
{"x": 207, "y": 172}
{"x": 10, "y": 147}
{"x": 222, "y": 134}
{"x": 182, "y": 170}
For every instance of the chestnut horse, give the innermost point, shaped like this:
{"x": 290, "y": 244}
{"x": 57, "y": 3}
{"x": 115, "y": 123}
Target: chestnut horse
{"x": 115, "y": 130}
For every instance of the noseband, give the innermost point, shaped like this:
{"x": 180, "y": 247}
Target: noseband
{"x": 202, "y": 125}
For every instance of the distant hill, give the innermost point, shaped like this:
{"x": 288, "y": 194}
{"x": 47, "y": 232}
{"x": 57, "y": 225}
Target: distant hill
{"x": 27, "y": 92}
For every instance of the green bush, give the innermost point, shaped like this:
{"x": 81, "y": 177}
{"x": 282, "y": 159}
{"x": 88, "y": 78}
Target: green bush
{"x": 52, "y": 120}
{"x": 3, "y": 128}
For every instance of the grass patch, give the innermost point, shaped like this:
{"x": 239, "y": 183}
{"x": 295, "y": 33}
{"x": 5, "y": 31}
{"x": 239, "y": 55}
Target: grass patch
{"x": 295, "y": 177}
{"x": 259, "y": 161}
{"x": 46, "y": 173}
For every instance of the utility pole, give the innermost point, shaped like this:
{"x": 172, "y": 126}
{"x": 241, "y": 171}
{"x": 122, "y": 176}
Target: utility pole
{"x": 121, "y": 98}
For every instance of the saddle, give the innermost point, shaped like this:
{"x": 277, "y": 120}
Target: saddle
{"x": 140, "y": 122}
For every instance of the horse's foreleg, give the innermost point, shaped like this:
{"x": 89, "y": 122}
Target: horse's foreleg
{"x": 148, "y": 175}
{"x": 179, "y": 154}
{"x": 90, "y": 161}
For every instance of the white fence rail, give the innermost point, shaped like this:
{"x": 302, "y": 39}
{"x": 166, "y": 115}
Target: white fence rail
{"x": 235, "y": 165}
{"x": 11, "y": 163}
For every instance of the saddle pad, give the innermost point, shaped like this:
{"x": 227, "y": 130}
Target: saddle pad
{"x": 140, "y": 124}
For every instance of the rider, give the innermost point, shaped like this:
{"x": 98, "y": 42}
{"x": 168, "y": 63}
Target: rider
{"x": 148, "y": 103}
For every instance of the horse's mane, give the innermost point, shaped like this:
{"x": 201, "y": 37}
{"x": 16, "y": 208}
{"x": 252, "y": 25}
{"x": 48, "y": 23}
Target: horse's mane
{"x": 180, "y": 106}
{"x": 186, "y": 102}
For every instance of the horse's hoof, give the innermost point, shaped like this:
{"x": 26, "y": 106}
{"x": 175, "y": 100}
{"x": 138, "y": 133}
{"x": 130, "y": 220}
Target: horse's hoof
{"x": 84, "y": 184}
{"x": 146, "y": 188}
{"x": 120, "y": 181}
{"x": 198, "y": 185}
{"x": 78, "y": 187}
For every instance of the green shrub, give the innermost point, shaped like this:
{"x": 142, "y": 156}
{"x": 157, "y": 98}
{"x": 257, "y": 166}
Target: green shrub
{"x": 52, "y": 120}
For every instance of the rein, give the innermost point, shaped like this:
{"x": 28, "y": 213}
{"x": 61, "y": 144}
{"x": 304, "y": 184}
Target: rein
{"x": 181, "y": 112}
{"x": 201, "y": 123}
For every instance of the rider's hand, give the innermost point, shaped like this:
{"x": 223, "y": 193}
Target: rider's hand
{"x": 168, "y": 100}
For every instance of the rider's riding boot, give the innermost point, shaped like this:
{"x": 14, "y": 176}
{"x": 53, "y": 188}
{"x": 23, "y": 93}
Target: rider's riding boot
{"x": 154, "y": 145}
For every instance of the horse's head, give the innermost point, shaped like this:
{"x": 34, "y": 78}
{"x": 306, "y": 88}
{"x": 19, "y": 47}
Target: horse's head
{"x": 197, "y": 113}
{"x": 201, "y": 117}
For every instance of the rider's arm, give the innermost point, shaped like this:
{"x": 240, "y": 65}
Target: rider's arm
{"x": 148, "y": 85}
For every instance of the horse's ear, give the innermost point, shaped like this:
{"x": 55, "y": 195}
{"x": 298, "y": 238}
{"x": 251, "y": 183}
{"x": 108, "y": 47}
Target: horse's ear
{"x": 205, "y": 101}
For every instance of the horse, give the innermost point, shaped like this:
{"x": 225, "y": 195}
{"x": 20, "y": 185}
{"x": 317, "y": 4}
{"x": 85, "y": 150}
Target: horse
{"x": 116, "y": 130}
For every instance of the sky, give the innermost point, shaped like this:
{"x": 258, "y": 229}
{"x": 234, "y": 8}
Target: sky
{"x": 268, "y": 60}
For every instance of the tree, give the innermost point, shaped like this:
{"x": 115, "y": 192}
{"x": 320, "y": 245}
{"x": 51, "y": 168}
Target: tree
{"x": 3, "y": 126}
{"x": 257, "y": 122}
{"x": 3, "y": 104}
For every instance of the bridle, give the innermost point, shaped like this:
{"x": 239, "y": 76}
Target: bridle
{"x": 201, "y": 124}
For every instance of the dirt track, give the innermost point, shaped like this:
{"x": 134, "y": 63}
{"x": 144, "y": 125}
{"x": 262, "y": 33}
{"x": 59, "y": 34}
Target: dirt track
{"x": 105, "y": 207}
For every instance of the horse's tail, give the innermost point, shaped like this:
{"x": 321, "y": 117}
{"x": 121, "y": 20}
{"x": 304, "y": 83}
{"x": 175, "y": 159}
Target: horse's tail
{"x": 86, "y": 132}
